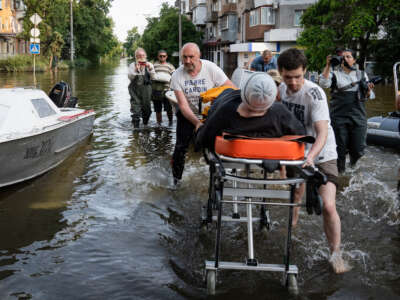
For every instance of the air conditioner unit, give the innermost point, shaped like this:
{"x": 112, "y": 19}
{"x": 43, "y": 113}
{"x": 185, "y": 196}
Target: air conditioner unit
{"x": 275, "y": 5}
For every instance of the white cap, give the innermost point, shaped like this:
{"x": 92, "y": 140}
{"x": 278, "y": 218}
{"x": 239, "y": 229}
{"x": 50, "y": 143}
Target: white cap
{"x": 259, "y": 91}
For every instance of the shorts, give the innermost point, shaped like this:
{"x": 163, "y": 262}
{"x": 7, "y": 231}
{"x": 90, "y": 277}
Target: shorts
{"x": 329, "y": 168}
{"x": 160, "y": 101}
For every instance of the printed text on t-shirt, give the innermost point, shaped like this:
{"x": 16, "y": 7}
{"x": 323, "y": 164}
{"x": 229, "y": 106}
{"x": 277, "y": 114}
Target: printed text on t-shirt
{"x": 297, "y": 109}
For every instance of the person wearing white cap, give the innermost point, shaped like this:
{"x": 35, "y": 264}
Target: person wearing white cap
{"x": 250, "y": 111}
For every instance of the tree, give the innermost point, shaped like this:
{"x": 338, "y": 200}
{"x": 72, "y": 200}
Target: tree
{"x": 162, "y": 33}
{"x": 132, "y": 41}
{"x": 353, "y": 24}
{"x": 93, "y": 34}
{"x": 386, "y": 49}
{"x": 54, "y": 14}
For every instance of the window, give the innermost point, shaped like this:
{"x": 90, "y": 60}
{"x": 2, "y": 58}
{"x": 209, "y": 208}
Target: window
{"x": 42, "y": 107}
{"x": 231, "y": 1}
{"x": 297, "y": 17}
{"x": 267, "y": 16}
{"x": 224, "y": 23}
{"x": 254, "y": 18}
{"x": 1, "y": 4}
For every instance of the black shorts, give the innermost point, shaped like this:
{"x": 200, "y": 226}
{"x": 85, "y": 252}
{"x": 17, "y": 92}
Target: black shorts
{"x": 160, "y": 101}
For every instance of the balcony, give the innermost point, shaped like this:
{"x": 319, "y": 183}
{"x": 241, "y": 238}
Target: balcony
{"x": 282, "y": 35}
{"x": 212, "y": 18}
{"x": 228, "y": 8}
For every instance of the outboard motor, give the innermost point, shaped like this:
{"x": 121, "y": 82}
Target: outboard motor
{"x": 60, "y": 94}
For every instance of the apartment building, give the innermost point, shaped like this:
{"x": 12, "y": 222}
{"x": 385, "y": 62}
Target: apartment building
{"x": 236, "y": 31}
{"x": 11, "y": 15}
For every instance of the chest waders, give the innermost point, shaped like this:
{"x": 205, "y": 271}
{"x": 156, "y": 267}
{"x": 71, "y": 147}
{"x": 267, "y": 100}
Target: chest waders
{"x": 140, "y": 92}
{"x": 349, "y": 123}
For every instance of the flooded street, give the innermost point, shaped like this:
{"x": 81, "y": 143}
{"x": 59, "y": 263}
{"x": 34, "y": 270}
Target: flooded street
{"x": 105, "y": 225}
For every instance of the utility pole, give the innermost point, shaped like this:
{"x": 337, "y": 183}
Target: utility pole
{"x": 71, "y": 31}
{"x": 180, "y": 30}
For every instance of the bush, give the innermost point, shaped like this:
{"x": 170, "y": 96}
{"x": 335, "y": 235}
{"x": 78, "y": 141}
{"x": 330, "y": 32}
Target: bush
{"x": 23, "y": 63}
{"x": 79, "y": 62}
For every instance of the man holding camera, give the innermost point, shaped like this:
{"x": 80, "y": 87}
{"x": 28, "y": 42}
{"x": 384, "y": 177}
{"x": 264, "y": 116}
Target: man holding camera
{"x": 349, "y": 90}
{"x": 140, "y": 74}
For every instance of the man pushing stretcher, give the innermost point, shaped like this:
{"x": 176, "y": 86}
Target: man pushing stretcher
{"x": 252, "y": 111}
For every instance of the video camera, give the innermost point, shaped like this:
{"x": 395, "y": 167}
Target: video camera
{"x": 336, "y": 60}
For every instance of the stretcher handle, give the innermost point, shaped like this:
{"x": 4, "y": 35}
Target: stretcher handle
{"x": 315, "y": 179}
{"x": 293, "y": 138}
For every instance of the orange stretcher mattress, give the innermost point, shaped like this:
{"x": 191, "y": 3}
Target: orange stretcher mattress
{"x": 283, "y": 148}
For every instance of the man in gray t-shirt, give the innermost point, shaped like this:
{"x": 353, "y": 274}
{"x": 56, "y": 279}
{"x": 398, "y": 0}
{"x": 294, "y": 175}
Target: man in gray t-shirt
{"x": 308, "y": 102}
{"x": 188, "y": 81}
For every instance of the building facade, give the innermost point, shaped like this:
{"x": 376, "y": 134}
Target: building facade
{"x": 11, "y": 15}
{"x": 236, "y": 31}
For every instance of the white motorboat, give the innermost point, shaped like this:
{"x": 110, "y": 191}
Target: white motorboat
{"x": 35, "y": 134}
{"x": 385, "y": 131}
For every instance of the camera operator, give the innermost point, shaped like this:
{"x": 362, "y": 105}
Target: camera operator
{"x": 349, "y": 90}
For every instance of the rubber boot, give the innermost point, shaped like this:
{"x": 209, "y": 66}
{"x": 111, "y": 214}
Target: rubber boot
{"x": 170, "y": 117}
{"x": 159, "y": 118}
{"x": 341, "y": 164}
{"x": 135, "y": 123}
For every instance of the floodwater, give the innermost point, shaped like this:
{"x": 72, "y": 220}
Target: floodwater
{"x": 105, "y": 225}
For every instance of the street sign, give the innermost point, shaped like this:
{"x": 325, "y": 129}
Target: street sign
{"x": 35, "y": 40}
{"x": 35, "y": 19}
{"x": 34, "y": 48}
{"x": 35, "y": 32}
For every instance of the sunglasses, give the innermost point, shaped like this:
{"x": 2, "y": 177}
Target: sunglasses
{"x": 162, "y": 56}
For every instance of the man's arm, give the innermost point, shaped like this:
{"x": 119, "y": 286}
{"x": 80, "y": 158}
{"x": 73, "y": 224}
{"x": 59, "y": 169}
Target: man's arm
{"x": 321, "y": 128}
{"x": 186, "y": 110}
{"x": 230, "y": 83}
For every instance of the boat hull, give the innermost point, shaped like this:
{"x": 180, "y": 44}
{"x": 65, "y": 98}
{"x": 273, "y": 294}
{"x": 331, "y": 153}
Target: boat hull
{"x": 25, "y": 158}
{"x": 384, "y": 131}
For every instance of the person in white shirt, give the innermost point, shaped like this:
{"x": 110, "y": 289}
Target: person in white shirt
{"x": 140, "y": 73}
{"x": 188, "y": 81}
{"x": 347, "y": 106}
{"x": 309, "y": 104}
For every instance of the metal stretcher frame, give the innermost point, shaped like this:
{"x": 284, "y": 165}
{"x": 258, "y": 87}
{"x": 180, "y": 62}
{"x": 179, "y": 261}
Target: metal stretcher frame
{"x": 217, "y": 193}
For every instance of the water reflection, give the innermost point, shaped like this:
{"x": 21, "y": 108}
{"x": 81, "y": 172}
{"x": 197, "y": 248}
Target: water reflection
{"x": 32, "y": 211}
{"x": 147, "y": 145}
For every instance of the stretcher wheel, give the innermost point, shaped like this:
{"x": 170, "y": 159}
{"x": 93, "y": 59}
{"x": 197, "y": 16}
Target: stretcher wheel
{"x": 292, "y": 284}
{"x": 211, "y": 280}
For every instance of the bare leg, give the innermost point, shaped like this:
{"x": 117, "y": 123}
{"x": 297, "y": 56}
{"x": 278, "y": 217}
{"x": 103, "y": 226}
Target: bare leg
{"x": 332, "y": 227}
{"x": 159, "y": 118}
{"x": 298, "y": 194}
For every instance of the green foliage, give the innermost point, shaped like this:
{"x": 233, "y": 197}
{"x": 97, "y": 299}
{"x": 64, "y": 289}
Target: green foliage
{"x": 114, "y": 54}
{"x": 354, "y": 24}
{"x": 163, "y": 33}
{"x": 132, "y": 41}
{"x": 93, "y": 29}
{"x": 22, "y": 63}
{"x": 387, "y": 49}
{"x": 93, "y": 35}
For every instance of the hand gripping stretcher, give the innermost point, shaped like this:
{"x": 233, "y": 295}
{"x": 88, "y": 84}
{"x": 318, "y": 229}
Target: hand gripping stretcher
{"x": 238, "y": 176}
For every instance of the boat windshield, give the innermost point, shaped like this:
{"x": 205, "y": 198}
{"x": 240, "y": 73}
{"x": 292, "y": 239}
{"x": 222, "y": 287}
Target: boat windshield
{"x": 42, "y": 107}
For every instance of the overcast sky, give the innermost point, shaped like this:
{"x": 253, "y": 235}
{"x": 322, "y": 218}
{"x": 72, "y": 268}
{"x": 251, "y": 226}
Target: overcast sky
{"x": 129, "y": 13}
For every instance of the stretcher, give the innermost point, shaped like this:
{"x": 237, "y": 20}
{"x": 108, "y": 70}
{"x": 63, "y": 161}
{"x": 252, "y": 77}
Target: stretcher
{"x": 239, "y": 176}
